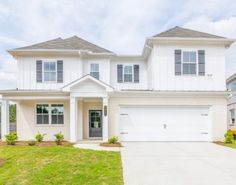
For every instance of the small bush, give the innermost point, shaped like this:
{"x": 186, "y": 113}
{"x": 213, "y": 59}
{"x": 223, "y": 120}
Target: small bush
{"x": 32, "y": 143}
{"x": 11, "y": 138}
{"x": 229, "y": 137}
{"x": 113, "y": 140}
{"x": 59, "y": 138}
{"x": 39, "y": 137}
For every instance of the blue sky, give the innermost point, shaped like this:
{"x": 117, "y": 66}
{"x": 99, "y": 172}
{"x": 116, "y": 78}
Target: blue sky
{"x": 118, "y": 25}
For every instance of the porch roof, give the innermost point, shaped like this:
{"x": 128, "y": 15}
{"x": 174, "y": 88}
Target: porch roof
{"x": 67, "y": 87}
{"x": 30, "y": 94}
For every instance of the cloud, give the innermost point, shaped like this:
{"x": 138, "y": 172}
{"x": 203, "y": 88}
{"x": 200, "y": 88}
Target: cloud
{"x": 223, "y": 27}
{"x": 120, "y": 26}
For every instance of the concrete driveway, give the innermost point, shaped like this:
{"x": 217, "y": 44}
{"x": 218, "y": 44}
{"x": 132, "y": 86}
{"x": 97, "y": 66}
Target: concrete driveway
{"x": 178, "y": 163}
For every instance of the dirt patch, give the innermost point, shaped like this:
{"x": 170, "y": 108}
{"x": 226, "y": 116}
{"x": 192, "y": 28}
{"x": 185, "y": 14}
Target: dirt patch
{"x": 43, "y": 143}
{"x": 2, "y": 162}
{"x": 111, "y": 144}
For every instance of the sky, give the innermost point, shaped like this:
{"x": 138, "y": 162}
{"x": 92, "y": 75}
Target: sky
{"x": 117, "y": 25}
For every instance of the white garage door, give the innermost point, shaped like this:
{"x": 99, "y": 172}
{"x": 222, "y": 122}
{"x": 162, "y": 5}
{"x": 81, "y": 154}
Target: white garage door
{"x": 164, "y": 124}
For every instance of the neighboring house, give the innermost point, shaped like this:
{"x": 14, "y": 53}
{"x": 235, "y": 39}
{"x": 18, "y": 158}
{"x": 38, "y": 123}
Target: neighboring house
{"x": 174, "y": 91}
{"x": 231, "y": 86}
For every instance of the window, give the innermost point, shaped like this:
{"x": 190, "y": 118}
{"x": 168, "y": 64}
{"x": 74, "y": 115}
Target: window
{"x": 42, "y": 114}
{"x": 189, "y": 62}
{"x": 232, "y": 116}
{"x": 50, "y": 114}
{"x": 94, "y": 70}
{"x": 128, "y": 73}
{"x": 49, "y": 71}
{"x": 57, "y": 114}
{"x": 233, "y": 86}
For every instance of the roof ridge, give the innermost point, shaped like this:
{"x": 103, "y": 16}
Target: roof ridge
{"x": 199, "y": 31}
{"x": 178, "y": 31}
{"x": 32, "y": 45}
{"x": 77, "y": 37}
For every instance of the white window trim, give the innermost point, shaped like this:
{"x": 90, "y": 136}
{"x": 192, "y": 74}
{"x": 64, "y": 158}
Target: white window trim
{"x": 132, "y": 65}
{"x": 49, "y": 114}
{"x": 90, "y": 71}
{"x": 44, "y": 61}
{"x": 182, "y": 63}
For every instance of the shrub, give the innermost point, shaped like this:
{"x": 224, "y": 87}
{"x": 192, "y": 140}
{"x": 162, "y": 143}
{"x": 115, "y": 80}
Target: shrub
{"x": 113, "y": 140}
{"x": 229, "y": 137}
{"x": 11, "y": 138}
{"x": 32, "y": 143}
{"x": 59, "y": 138}
{"x": 39, "y": 137}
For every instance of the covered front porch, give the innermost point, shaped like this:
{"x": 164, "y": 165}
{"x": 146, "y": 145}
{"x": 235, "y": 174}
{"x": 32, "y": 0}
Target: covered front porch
{"x": 79, "y": 110}
{"x": 88, "y": 118}
{"x": 88, "y": 109}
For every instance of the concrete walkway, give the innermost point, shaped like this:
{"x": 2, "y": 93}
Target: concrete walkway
{"x": 180, "y": 163}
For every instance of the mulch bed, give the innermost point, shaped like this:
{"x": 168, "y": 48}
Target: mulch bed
{"x": 111, "y": 144}
{"x": 43, "y": 143}
{"x": 2, "y": 162}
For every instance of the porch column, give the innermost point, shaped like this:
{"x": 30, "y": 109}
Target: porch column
{"x": 105, "y": 119}
{"x": 4, "y": 119}
{"x": 80, "y": 120}
{"x": 73, "y": 119}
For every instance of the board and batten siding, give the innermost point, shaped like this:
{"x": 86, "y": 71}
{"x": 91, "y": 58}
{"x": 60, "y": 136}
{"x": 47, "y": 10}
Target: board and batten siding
{"x": 142, "y": 84}
{"x": 164, "y": 77}
{"x": 73, "y": 68}
{"x": 157, "y": 73}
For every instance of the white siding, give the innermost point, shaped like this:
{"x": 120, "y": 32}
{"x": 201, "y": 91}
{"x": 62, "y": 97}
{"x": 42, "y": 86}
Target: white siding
{"x": 157, "y": 73}
{"x": 142, "y": 75}
{"x": 104, "y": 68}
{"x": 74, "y": 68}
{"x": 164, "y": 75}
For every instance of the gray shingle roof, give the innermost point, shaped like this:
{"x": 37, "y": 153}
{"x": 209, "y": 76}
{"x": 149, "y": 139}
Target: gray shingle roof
{"x": 72, "y": 43}
{"x": 186, "y": 33}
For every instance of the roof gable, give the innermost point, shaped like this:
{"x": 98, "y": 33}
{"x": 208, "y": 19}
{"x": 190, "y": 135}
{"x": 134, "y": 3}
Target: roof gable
{"x": 86, "y": 79}
{"x": 186, "y": 33}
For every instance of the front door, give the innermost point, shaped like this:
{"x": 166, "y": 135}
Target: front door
{"x": 95, "y": 123}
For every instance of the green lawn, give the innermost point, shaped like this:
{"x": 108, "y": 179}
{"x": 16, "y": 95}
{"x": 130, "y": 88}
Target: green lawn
{"x": 36, "y": 165}
{"x": 233, "y": 145}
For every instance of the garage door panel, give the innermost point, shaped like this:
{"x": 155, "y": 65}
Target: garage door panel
{"x": 164, "y": 124}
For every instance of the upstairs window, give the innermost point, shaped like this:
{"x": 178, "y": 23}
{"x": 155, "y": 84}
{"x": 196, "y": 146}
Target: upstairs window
{"x": 94, "y": 70}
{"x": 49, "y": 71}
{"x": 128, "y": 73}
{"x": 189, "y": 63}
{"x": 233, "y": 86}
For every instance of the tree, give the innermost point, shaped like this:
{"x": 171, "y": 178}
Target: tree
{"x": 12, "y": 113}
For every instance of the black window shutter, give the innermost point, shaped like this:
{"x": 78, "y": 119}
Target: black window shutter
{"x": 119, "y": 73}
{"x": 201, "y": 62}
{"x": 177, "y": 62}
{"x": 136, "y": 73}
{"x": 39, "y": 71}
{"x": 60, "y": 71}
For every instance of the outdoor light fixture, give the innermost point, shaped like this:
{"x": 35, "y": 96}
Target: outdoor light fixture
{"x": 105, "y": 110}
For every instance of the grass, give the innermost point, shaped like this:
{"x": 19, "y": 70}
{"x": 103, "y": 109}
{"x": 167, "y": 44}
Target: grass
{"x": 233, "y": 145}
{"x": 27, "y": 165}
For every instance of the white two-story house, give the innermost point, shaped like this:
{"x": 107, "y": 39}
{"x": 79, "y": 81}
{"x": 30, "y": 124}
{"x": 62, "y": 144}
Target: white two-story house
{"x": 174, "y": 91}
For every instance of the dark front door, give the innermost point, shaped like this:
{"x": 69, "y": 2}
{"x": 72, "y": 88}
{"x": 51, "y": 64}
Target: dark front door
{"x": 95, "y": 123}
